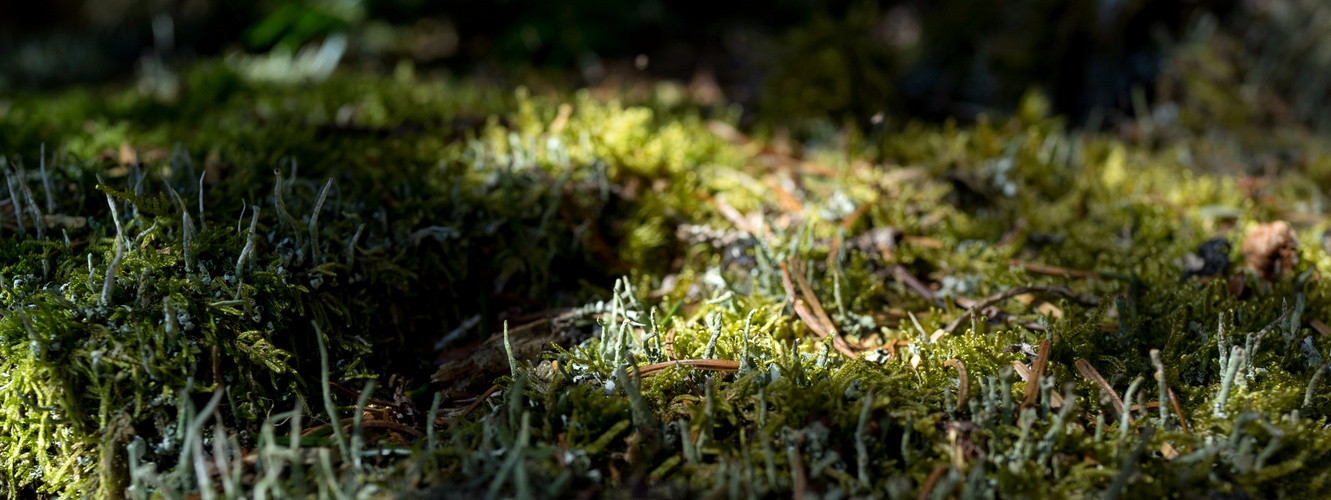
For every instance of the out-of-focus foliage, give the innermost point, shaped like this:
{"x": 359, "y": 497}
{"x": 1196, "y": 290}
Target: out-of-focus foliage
{"x": 837, "y": 60}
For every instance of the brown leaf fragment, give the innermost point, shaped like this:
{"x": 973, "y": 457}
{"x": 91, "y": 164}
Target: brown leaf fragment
{"x": 1271, "y": 249}
{"x": 1167, "y": 450}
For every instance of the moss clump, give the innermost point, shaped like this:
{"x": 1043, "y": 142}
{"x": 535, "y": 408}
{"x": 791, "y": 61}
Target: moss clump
{"x": 172, "y": 325}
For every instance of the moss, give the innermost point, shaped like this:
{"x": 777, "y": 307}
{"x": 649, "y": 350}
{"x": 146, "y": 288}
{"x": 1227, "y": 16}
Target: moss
{"x": 381, "y": 214}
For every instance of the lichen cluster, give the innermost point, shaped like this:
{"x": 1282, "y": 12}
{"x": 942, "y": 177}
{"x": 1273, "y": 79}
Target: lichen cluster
{"x": 193, "y": 291}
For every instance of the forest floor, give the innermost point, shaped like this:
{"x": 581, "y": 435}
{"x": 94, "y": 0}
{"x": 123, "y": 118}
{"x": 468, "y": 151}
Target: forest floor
{"x": 381, "y": 286}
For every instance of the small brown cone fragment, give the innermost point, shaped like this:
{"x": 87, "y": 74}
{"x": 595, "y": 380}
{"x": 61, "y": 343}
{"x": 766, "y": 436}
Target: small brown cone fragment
{"x": 1272, "y": 250}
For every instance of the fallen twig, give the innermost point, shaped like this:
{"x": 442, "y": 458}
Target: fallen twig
{"x": 465, "y": 371}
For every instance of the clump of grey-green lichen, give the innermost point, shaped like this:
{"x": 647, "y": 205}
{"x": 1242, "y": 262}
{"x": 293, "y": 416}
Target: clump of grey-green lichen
{"x": 241, "y": 299}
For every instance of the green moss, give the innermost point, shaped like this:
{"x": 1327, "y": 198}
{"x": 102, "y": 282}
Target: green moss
{"x": 446, "y": 201}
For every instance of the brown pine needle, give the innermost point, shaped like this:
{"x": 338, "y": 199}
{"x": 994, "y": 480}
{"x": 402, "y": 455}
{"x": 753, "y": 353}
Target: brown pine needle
{"x": 356, "y": 395}
{"x": 932, "y": 481}
{"x": 719, "y": 365}
{"x": 1057, "y": 291}
{"x": 812, "y": 299}
{"x": 735, "y": 217}
{"x": 384, "y": 424}
{"x": 917, "y": 286}
{"x": 1037, "y": 371}
{"x": 479, "y": 400}
{"x": 845, "y": 225}
{"x": 1178, "y": 412}
{"x": 1055, "y": 399}
{"x": 819, "y": 328}
{"x": 1173, "y": 401}
{"x": 348, "y": 422}
{"x": 786, "y": 283}
{"x": 1084, "y": 367}
{"x": 855, "y": 216}
{"x": 924, "y": 241}
{"x": 801, "y": 486}
{"x": 1048, "y": 270}
{"x": 317, "y": 429}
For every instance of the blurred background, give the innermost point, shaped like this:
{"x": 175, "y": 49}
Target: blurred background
{"x": 1100, "y": 63}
